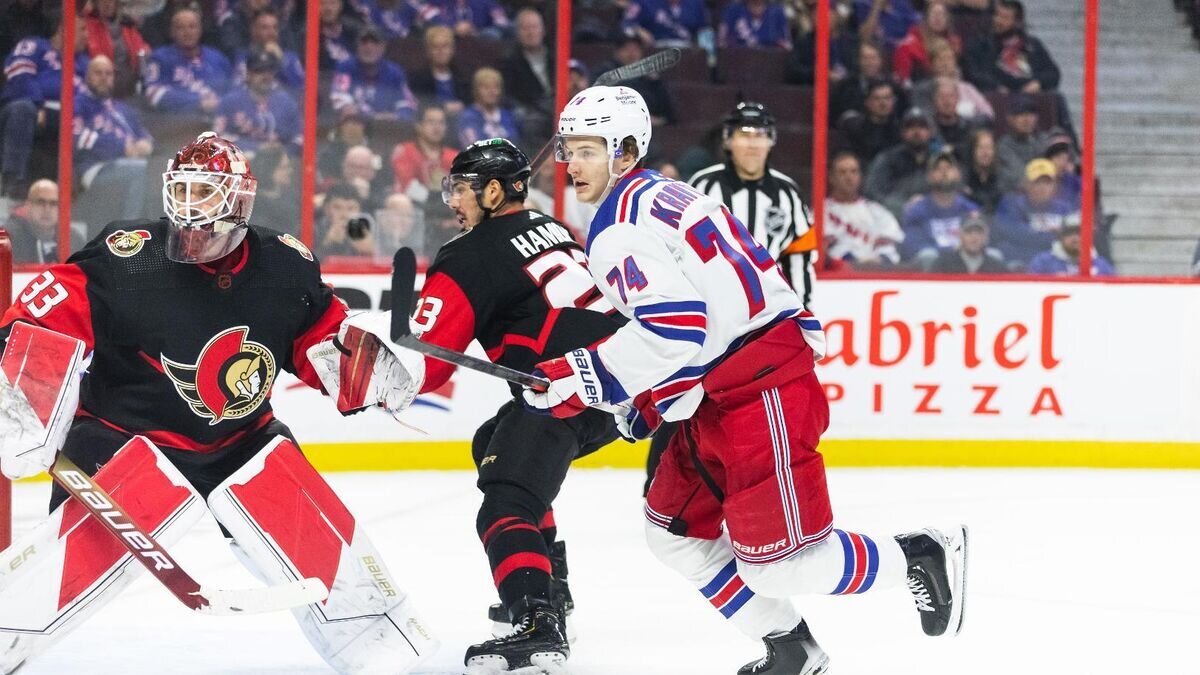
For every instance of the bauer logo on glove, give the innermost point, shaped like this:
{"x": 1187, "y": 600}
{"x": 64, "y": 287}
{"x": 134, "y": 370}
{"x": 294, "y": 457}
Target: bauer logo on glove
{"x": 576, "y": 382}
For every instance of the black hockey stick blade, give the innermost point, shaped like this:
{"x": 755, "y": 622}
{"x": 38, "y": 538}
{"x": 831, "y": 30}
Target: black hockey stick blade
{"x": 651, "y": 65}
{"x": 404, "y": 283}
{"x": 404, "y": 279}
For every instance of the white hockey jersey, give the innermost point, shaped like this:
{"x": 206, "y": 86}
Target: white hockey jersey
{"x": 693, "y": 283}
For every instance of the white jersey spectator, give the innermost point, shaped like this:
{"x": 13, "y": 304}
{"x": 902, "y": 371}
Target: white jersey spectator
{"x": 858, "y": 231}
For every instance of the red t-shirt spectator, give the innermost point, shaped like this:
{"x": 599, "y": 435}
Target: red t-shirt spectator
{"x": 910, "y": 61}
{"x": 410, "y": 163}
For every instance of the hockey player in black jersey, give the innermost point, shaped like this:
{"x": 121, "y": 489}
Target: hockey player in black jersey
{"x": 186, "y": 322}
{"x": 516, "y": 281}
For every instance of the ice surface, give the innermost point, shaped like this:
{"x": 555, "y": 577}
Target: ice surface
{"x": 1073, "y": 572}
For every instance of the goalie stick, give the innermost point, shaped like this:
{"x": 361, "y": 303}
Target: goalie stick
{"x": 651, "y": 65}
{"x": 156, "y": 559}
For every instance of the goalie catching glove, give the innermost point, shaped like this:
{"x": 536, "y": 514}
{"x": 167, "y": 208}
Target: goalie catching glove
{"x": 40, "y": 374}
{"x": 360, "y": 369}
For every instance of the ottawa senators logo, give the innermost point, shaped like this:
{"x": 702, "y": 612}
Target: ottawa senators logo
{"x": 231, "y": 378}
{"x": 127, "y": 244}
{"x": 289, "y": 240}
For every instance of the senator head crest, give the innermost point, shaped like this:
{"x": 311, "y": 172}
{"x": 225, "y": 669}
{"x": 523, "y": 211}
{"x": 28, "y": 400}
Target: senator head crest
{"x": 230, "y": 379}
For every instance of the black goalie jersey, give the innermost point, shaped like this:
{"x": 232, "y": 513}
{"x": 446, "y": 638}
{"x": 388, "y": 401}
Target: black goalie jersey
{"x": 519, "y": 284}
{"x": 184, "y": 354}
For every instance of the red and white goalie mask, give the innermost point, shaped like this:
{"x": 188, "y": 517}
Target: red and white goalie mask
{"x": 208, "y": 194}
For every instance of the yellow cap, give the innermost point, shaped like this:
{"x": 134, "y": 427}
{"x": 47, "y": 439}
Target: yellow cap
{"x": 1040, "y": 168}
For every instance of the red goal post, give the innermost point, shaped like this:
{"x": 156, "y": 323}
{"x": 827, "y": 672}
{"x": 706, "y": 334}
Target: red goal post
{"x": 5, "y": 298}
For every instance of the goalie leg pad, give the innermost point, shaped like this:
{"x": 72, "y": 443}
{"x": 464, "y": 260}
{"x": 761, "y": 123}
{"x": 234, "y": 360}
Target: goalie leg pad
{"x": 289, "y": 524}
{"x": 39, "y": 392}
{"x": 70, "y": 565}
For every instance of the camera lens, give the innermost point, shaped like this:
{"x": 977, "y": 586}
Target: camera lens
{"x": 358, "y": 227}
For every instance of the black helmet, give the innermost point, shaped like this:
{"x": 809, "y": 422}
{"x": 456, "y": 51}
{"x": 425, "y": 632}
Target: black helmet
{"x": 487, "y": 160}
{"x": 749, "y": 114}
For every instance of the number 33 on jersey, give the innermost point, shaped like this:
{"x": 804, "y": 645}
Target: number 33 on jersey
{"x": 693, "y": 281}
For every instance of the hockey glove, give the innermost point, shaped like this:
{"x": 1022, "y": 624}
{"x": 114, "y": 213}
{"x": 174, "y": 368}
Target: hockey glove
{"x": 641, "y": 420}
{"x": 574, "y": 385}
{"x": 359, "y": 370}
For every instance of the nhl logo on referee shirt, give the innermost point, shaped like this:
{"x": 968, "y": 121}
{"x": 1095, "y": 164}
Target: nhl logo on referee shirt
{"x": 229, "y": 380}
{"x": 126, "y": 244}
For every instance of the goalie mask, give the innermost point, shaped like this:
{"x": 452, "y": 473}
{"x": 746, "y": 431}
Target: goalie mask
{"x": 208, "y": 195}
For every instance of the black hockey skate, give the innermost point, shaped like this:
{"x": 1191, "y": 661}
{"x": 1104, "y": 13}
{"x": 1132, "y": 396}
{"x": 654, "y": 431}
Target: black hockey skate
{"x": 560, "y": 594}
{"x": 536, "y": 644}
{"x": 793, "y": 653}
{"x": 937, "y": 577}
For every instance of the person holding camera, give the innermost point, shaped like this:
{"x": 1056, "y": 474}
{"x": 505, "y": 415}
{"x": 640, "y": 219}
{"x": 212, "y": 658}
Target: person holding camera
{"x": 342, "y": 230}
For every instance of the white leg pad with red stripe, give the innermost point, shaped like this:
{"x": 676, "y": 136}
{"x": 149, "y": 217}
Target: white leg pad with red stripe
{"x": 710, "y": 566}
{"x": 845, "y": 563}
{"x": 289, "y": 525}
{"x": 67, "y": 567}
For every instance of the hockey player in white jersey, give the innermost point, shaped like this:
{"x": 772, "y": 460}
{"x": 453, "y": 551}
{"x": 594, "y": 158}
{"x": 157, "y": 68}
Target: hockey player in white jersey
{"x": 718, "y": 339}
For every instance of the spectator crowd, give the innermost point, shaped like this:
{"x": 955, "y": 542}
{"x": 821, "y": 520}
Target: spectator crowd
{"x": 951, "y": 148}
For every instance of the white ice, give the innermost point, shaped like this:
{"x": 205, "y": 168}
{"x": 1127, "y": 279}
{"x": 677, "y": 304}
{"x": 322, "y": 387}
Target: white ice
{"x": 1072, "y": 572}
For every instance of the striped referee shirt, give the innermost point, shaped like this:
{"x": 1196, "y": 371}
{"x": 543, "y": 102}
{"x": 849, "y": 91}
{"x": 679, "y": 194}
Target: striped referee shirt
{"x": 771, "y": 208}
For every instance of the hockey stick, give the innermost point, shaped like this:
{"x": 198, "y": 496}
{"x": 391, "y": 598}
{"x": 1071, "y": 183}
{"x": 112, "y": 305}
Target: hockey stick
{"x": 148, "y": 551}
{"x": 651, "y": 65}
{"x": 404, "y": 281}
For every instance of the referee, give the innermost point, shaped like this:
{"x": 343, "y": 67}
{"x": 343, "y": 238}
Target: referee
{"x": 766, "y": 201}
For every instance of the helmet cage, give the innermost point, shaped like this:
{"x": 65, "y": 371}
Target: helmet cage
{"x": 206, "y": 224}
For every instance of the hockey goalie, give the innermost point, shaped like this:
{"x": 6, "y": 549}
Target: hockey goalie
{"x": 148, "y": 360}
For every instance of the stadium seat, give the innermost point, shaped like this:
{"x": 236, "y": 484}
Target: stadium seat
{"x": 744, "y": 64}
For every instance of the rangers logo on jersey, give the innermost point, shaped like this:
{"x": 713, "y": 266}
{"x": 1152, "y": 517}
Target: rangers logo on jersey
{"x": 127, "y": 244}
{"x": 230, "y": 379}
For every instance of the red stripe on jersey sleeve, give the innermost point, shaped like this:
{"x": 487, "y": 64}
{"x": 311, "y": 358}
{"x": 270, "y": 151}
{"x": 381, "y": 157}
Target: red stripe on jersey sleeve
{"x": 448, "y": 319}
{"x": 57, "y": 300}
{"x": 325, "y": 327}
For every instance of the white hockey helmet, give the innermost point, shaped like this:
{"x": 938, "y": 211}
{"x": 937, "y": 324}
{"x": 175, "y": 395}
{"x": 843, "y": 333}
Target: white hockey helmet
{"x": 611, "y": 113}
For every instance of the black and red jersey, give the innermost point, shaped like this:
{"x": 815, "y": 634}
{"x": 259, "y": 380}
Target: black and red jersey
{"x": 519, "y": 284}
{"x": 184, "y": 354}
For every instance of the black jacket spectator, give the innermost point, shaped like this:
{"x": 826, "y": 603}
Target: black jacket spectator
{"x": 850, "y": 93}
{"x": 1010, "y": 59}
{"x": 523, "y": 82}
{"x": 953, "y": 261}
{"x": 898, "y": 174}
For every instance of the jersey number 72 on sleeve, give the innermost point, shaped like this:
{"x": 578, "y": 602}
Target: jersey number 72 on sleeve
{"x": 38, "y": 303}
